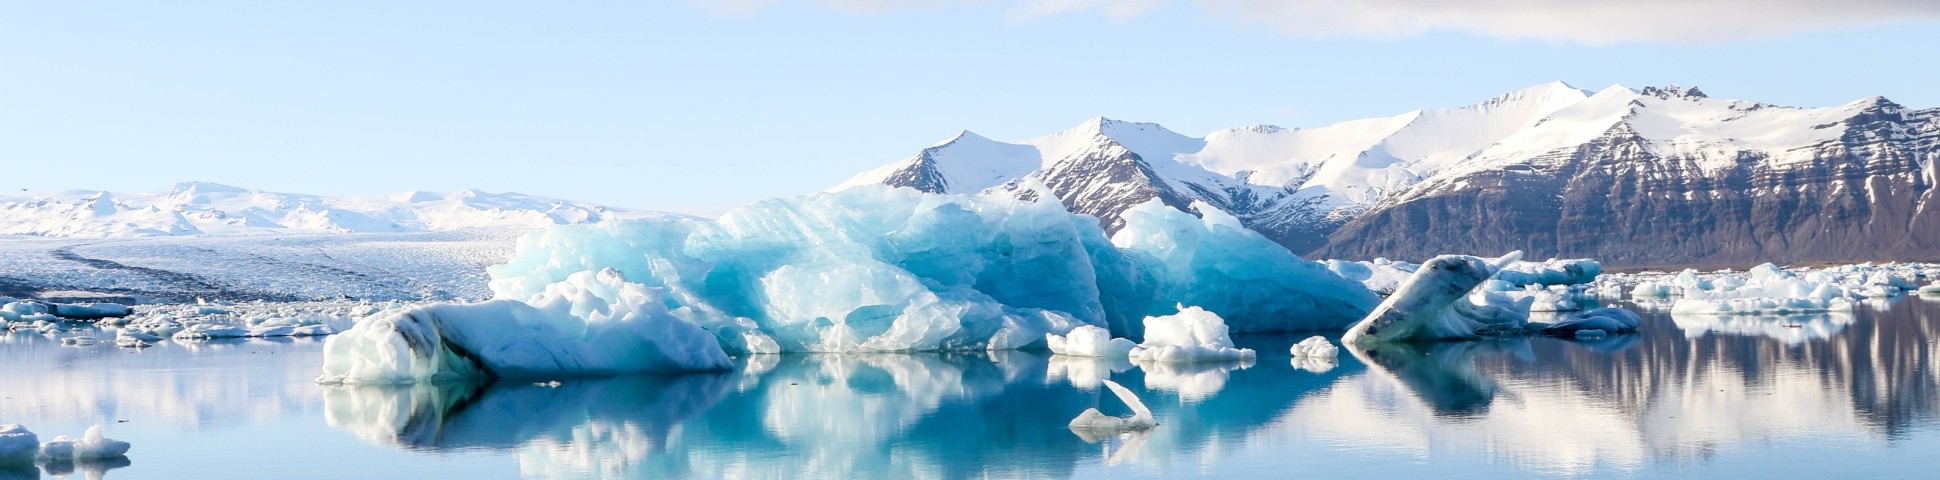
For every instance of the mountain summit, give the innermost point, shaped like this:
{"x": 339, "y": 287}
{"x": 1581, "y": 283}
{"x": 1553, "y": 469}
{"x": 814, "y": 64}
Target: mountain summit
{"x": 1652, "y": 176}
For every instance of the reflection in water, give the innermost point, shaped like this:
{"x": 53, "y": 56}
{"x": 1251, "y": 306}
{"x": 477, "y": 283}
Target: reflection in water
{"x": 1670, "y": 400}
{"x": 888, "y": 415}
{"x": 1790, "y": 329}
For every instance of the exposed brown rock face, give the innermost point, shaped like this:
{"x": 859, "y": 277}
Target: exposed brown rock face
{"x": 1867, "y": 196}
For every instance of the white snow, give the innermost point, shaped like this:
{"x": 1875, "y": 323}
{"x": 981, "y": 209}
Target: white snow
{"x": 206, "y": 208}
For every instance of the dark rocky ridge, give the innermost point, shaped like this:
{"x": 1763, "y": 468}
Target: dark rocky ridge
{"x": 1867, "y": 196}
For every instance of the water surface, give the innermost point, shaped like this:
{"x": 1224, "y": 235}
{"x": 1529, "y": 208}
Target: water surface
{"x": 1834, "y": 395}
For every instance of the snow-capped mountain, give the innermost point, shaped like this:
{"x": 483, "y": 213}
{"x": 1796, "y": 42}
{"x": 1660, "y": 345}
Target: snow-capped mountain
{"x": 1633, "y": 176}
{"x": 206, "y": 208}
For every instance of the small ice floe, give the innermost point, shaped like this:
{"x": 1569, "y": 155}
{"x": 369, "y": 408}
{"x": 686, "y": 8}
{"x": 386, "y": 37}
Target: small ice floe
{"x": 79, "y": 341}
{"x": 18, "y": 446}
{"x": 210, "y": 331}
{"x": 1093, "y": 420}
{"x": 1315, "y": 346}
{"x": 1089, "y": 341}
{"x": 1192, "y": 335}
{"x": 1603, "y": 321}
{"x": 1932, "y": 289}
{"x": 91, "y": 446}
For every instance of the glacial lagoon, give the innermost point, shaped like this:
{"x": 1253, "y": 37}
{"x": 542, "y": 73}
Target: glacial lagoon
{"x": 1746, "y": 396}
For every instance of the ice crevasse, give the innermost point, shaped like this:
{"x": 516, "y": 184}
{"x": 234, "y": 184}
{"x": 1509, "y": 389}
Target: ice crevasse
{"x": 866, "y": 269}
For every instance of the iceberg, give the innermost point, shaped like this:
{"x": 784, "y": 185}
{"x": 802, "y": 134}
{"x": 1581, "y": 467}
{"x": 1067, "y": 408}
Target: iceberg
{"x": 1316, "y": 347}
{"x": 1192, "y": 335}
{"x": 1931, "y": 289}
{"x": 18, "y": 446}
{"x": 1436, "y": 304}
{"x": 1089, "y": 341}
{"x": 591, "y": 324}
{"x": 1602, "y": 320}
{"x": 866, "y": 269}
{"x": 1092, "y": 419}
{"x": 1551, "y": 272}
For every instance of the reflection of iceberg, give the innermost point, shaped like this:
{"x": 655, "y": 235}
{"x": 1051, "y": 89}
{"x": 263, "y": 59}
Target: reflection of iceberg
{"x": 1193, "y": 381}
{"x": 508, "y": 414}
{"x": 1443, "y": 374}
{"x": 1791, "y": 329}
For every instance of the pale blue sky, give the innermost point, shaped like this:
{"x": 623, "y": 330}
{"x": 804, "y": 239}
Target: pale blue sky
{"x": 695, "y": 106}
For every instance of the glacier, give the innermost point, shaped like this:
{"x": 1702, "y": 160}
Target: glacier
{"x": 866, "y": 269}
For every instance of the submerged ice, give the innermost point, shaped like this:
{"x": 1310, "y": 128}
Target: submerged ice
{"x": 868, "y": 269}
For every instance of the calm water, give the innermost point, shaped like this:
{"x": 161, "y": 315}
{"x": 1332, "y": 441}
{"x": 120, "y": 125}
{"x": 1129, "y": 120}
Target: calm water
{"x": 1840, "y": 396}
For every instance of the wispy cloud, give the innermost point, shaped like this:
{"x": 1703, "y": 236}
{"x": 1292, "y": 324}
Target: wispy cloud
{"x": 1586, "y": 21}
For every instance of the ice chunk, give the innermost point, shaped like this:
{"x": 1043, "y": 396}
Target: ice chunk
{"x": 1434, "y": 304}
{"x": 590, "y": 324}
{"x": 18, "y": 446}
{"x": 1931, "y": 289}
{"x": 1603, "y": 320}
{"x": 1089, "y": 341}
{"x": 91, "y": 311}
{"x": 210, "y": 331}
{"x": 95, "y": 446}
{"x": 1092, "y": 419}
{"x": 1551, "y": 272}
{"x": 1315, "y": 346}
{"x": 1192, "y": 335}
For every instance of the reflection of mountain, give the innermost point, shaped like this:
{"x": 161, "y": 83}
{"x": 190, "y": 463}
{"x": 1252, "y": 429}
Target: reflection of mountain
{"x": 845, "y": 416}
{"x": 1573, "y": 408}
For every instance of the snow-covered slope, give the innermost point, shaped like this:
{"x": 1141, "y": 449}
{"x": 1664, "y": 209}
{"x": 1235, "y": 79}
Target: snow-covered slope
{"x": 206, "y": 208}
{"x": 1523, "y": 151}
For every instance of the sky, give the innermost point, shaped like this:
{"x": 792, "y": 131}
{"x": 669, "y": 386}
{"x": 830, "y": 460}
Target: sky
{"x": 699, "y": 106}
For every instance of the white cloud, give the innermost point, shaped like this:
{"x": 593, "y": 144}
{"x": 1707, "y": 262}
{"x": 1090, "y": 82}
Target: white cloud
{"x": 1588, "y": 21}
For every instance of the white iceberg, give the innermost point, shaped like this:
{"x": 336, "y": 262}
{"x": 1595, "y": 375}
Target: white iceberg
{"x": 1436, "y": 304}
{"x": 18, "y": 446}
{"x": 1089, "y": 341}
{"x": 1192, "y": 335}
{"x": 1092, "y": 419}
{"x": 1931, "y": 289}
{"x": 1315, "y": 346}
{"x": 91, "y": 446}
{"x": 619, "y": 327}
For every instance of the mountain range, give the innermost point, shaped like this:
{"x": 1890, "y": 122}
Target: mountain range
{"x": 1650, "y": 176}
{"x": 196, "y": 208}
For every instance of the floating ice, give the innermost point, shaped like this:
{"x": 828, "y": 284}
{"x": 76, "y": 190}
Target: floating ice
{"x": 587, "y": 325}
{"x": 1192, "y": 335}
{"x": 1435, "y": 304}
{"x": 18, "y": 446}
{"x": 91, "y": 446}
{"x": 1603, "y": 320}
{"x": 1315, "y": 346}
{"x": 1382, "y": 276}
{"x": 91, "y": 311}
{"x": 1092, "y": 419}
{"x": 1089, "y": 341}
{"x": 1931, "y": 289}
{"x": 1551, "y": 272}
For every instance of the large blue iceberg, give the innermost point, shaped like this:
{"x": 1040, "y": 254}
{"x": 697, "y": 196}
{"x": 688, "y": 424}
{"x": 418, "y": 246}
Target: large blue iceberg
{"x": 880, "y": 269}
